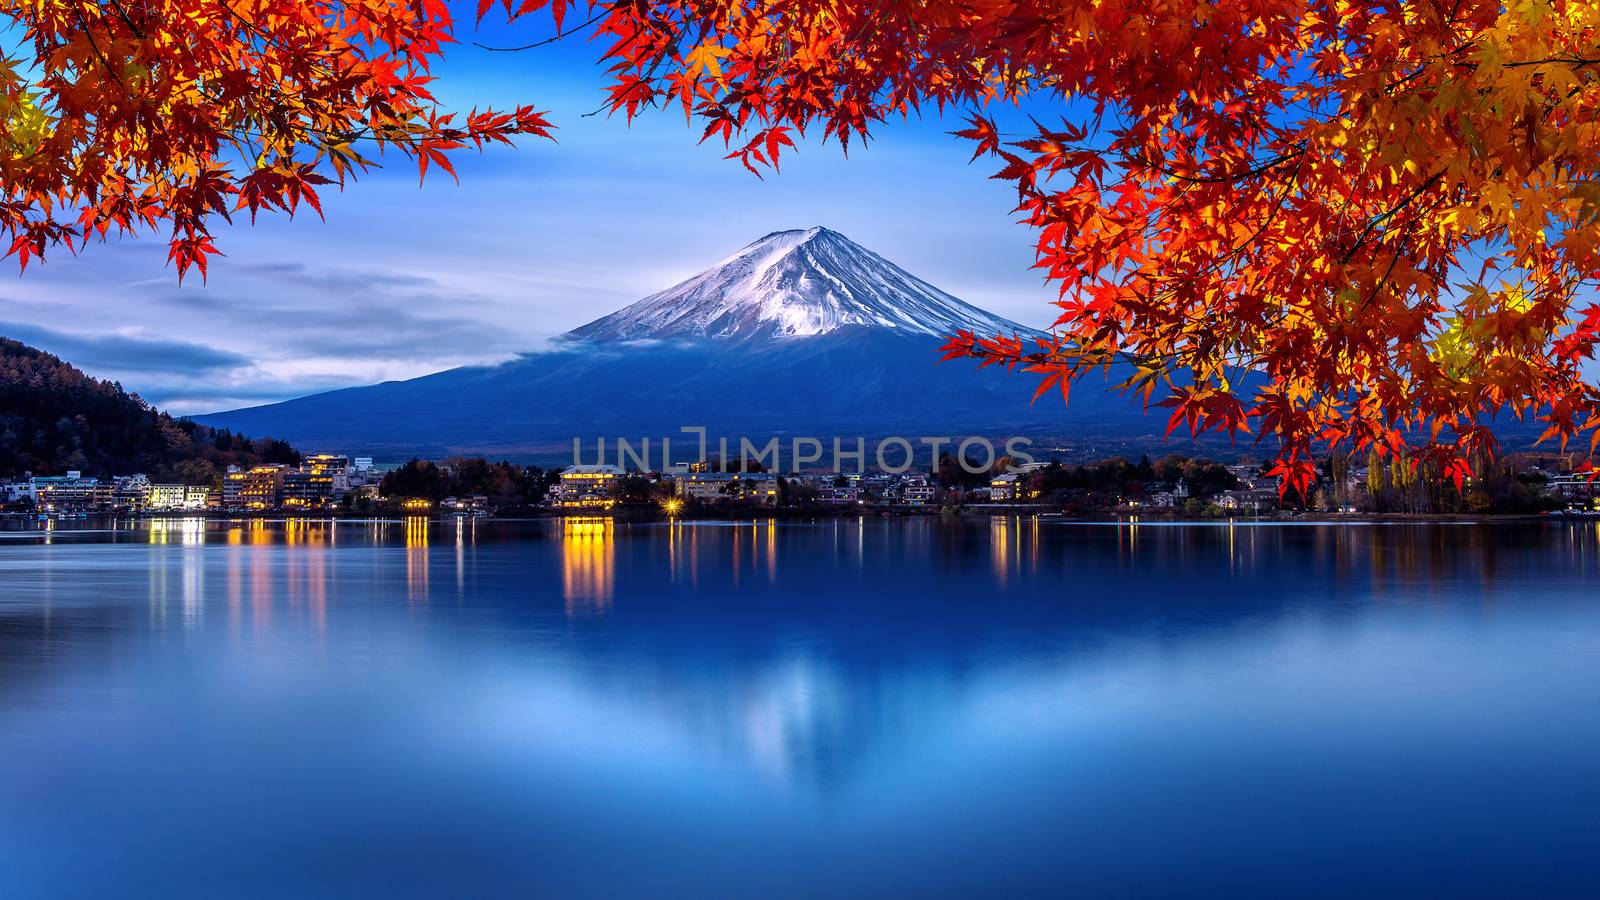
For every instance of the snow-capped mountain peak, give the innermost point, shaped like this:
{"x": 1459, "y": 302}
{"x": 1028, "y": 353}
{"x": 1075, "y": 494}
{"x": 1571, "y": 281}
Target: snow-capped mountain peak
{"x": 795, "y": 284}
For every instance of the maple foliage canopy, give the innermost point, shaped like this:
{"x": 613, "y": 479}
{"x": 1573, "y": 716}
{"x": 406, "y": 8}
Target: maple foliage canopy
{"x": 126, "y": 115}
{"x": 1339, "y": 224}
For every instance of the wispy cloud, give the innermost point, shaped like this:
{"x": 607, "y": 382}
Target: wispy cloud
{"x": 360, "y": 315}
{"x": 269, "y": 330}
{"x": 123, "y": 353}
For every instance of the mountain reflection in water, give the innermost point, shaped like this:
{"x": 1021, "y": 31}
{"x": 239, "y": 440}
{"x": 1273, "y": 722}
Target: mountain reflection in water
{"x": 858, "y": 706}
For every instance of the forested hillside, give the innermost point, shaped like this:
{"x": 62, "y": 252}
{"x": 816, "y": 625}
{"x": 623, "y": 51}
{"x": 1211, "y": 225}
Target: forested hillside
{"x": 54, "y": 418}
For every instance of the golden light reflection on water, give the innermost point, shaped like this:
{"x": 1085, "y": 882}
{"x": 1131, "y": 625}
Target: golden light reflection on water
{"x": 416, "y": 535}
{"x": 235, "y": 583}
{"x": 194, "y": 577}
{"x": 317, "y": 578}
{"x": 772, "y": 552}
{"x": 1000, "y": 548}
{"x": 588, "y": 565}
{"x": 260, "y": 576}
{"x": 299, "y": 532}
{"x": 466, "y": 533}
{"x": 190, "y": 532}
{"x": 1014, "y": 547}
{"x": 255, "y": 571}
{"x": 683, "y": 545}
{"x": 757, "y": 540}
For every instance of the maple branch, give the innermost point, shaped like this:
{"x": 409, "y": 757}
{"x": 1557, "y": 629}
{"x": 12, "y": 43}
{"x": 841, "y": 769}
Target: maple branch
{"x": 88, "y": 33}
{"x": 1252, "y": 172}
{"x": 1361, "y": 239}
{"x": 606, "y": 11}
{"x": 1577, "y": 62}
{"x": 123, "y": 15}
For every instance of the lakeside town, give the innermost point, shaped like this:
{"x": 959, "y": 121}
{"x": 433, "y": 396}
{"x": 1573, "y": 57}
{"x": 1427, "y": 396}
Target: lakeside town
{"x": 333, "y": 484}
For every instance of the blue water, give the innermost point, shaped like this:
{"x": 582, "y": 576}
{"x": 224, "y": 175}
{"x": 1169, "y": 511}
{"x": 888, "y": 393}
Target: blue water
{"x": 841, "y": 708}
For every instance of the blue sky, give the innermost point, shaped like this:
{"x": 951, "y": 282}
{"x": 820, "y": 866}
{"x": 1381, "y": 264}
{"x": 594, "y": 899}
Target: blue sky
{"x": 401, "y": 280}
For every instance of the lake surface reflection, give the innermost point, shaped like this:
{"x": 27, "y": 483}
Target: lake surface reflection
{"x": 858, "y": 708}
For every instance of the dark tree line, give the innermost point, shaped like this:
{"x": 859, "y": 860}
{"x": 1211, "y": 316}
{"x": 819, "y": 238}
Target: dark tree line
{"x": 1109, "y": 477}
{"x": 1119, "y": 476}
{"x": 506, "y": 484}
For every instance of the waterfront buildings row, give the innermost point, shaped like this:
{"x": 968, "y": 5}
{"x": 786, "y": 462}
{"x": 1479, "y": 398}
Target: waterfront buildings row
{"x": 319, "y": 482}
{"x": 601, "y": 487}
{"x": 1230, "y": 490}
{"x": 325, "y": 481}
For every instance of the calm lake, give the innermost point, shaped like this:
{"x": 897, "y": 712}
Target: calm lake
{"x": 841, "y": 708}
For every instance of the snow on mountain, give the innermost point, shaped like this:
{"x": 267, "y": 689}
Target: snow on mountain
{"x": 795, "y": 284}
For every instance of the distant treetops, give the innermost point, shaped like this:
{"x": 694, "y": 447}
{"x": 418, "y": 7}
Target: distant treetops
{"x": 1323, "y": 223}
{"x": 503, "y": 484}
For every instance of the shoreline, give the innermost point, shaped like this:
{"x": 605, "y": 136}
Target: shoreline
{"x": 642, "y": 515}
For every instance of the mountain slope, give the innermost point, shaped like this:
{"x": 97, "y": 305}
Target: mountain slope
{"x": 54, "y": 418}
{"x": 802, "y": 333}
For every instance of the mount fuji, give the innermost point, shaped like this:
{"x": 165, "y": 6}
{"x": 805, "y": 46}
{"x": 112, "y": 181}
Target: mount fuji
{"x": 801, "y": 333}
{"x": 795, "y": 284}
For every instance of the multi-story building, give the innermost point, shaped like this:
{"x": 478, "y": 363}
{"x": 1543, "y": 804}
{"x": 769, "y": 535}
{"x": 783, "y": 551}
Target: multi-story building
{"x": 702, "y": 486}
{"x": 878, "y": 486}
{"x": 1237, "y": 501}
{"x": 15, "y": 491}
{"x": 1015, "y": 484}
{"x": 256, "y": 488}
{"x": 233, "y": 488}
{"x": 718, "y": 487}
{"x": 475, "y": 505}
{"x": 304, "y": 489}
{"x": 586, "y": 487}
{"x": 175, "y": 497}
{"x": 761, "y": 487}
{"x": 71, "y": 493}
{"x": 334, "y": 466}
{"x": 131, "y": 493}
{"x": 1576, "y": 489}
{"x": 916, "y": 491}
{"x": 1005, "y": 488}
{"x": 166, "y": 496}
{"x": 839, "y": 494}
